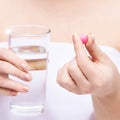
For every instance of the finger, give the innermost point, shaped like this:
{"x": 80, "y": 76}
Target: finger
{"x": 96, "y": 53}
{"x": 7, "y": 92}
{"x": 79, "y": 78}
{"x": 83, "y": 61}
{"x": 8, "y": 68}
{"x": 12, "y": 85}
{"x": 65, "y": 81}
{"x": 12, "y": 58}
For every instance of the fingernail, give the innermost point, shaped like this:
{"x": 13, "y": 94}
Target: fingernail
{"x": 13, "y": 93}
{"x": 28, "y": 77}
{"x": 25, "y": 67}
{"x": 84, "y": 39}
{"x": 76, "y": 36}
{"x": 25, "y": 89}
{"x": 93, "y": 36}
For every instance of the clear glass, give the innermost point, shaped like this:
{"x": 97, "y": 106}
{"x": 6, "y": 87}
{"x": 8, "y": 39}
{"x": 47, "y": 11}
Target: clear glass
{"x": 32, "y": 44}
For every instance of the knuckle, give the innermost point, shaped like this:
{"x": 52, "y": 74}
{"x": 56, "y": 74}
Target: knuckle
{"x": 71, "y": 68}
{"x": 84, "y": 90}
{"x": 97, "y": 84}
{"x": 62, "y": 82}
{"x": 58, "y": 81}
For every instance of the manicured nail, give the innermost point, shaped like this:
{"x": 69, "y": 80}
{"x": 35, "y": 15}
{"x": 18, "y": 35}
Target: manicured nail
{"x": 25, "y": 89}
{"x": 28, "y": 77}
{"x": 76, "y": 36}
{"x": 84, "y": 39}
{"x": 25, "y": 67}
{"x": 13, "y": 93}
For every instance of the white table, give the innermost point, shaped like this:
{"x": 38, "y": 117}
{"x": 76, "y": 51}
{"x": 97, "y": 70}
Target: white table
{"x": 60, "y": 103}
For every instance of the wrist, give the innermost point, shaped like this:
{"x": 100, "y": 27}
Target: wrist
{"x": 107, "y": 107}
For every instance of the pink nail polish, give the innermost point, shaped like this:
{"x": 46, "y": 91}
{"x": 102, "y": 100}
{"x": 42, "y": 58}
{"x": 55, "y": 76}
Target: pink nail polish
{"x": 84, "y": 39}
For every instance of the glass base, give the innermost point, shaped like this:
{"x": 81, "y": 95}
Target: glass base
{"x": 27, "y": 110}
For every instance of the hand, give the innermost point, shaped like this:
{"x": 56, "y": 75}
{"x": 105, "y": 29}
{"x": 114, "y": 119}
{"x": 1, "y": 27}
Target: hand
{"x": 10, "y": 64}
{"x": 87, "y": 73}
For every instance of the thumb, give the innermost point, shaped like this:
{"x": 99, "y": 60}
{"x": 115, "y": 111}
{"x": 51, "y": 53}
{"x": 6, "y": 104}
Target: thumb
{"x": 95, "y": 52}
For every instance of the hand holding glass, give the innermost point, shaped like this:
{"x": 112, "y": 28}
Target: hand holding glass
{"x": 32, "y": 44}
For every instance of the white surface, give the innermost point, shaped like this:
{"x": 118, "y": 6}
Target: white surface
{"x": 60, "y": 104}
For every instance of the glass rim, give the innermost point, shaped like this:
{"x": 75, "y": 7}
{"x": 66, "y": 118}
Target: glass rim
{"x": 45, "y": 29}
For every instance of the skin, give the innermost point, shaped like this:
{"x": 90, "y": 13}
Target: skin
{"x": 64, "y": 17}
{"x": 96, "y": 75}
{"x": 10, "y": 64}
{"x": 101, "y": 17}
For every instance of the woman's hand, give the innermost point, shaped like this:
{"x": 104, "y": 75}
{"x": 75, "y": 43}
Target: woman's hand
{"x": 10, "y": 64}
{"x": 91, "y": 73}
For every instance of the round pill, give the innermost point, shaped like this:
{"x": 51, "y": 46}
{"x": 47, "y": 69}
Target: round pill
{"x": 84, "y": 39}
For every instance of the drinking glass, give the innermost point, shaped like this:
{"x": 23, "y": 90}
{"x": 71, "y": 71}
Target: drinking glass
{"x": 31, "y": 42}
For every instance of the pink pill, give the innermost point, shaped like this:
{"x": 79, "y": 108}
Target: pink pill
{"x": 84, "y": 39}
